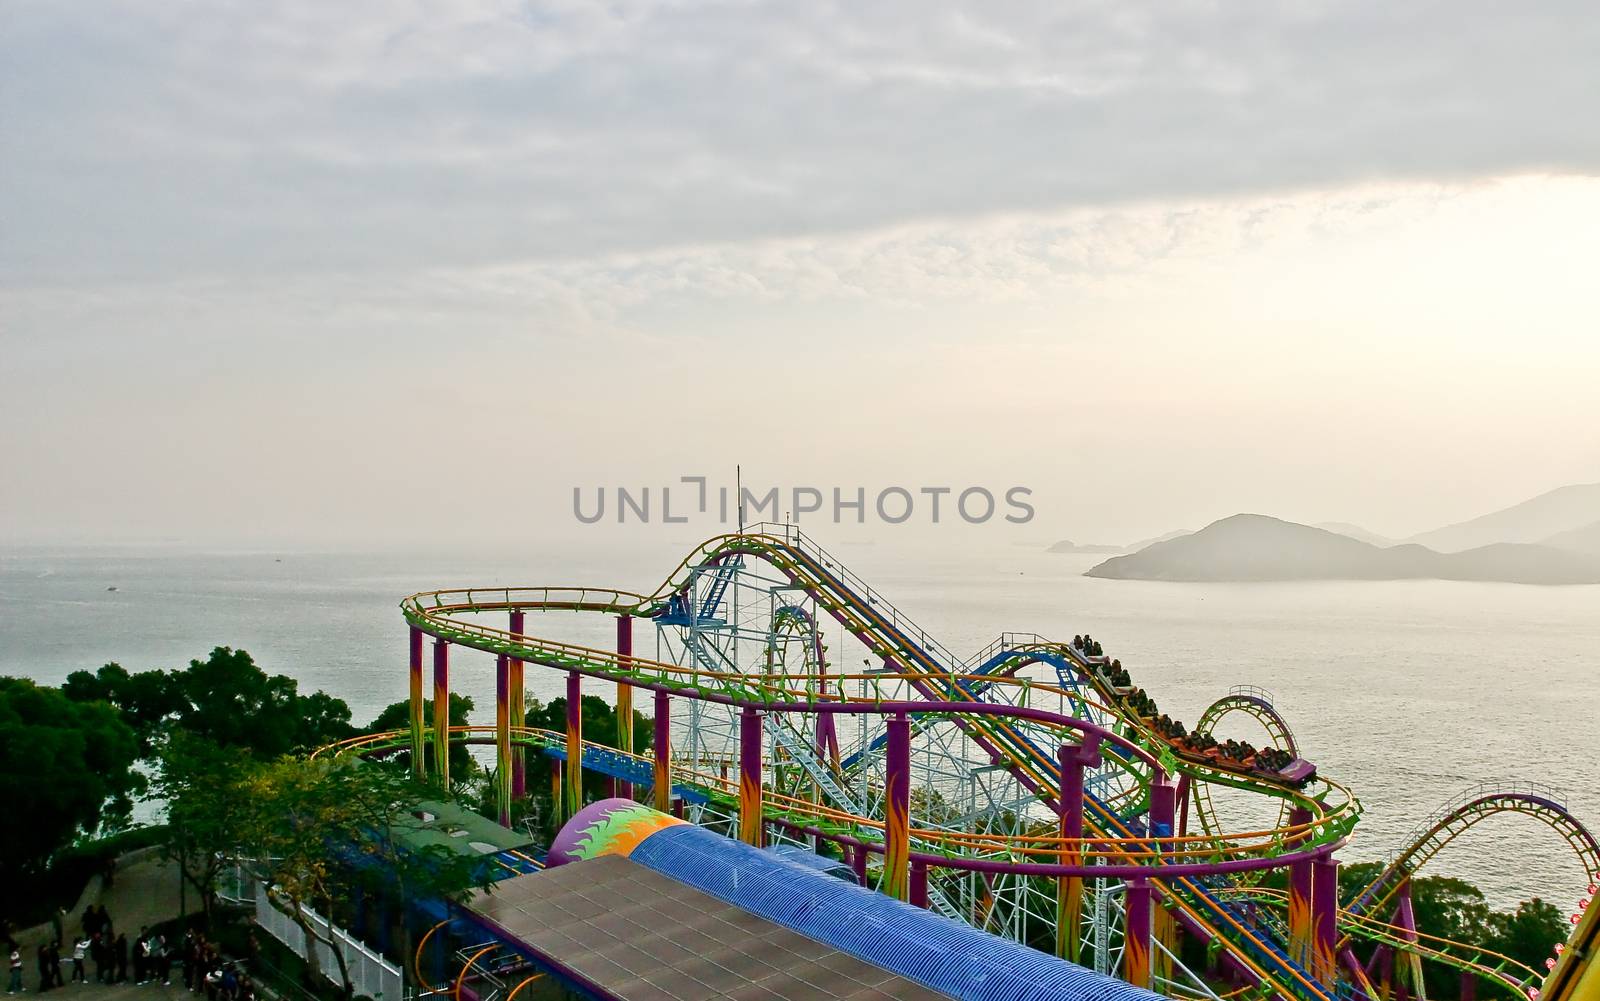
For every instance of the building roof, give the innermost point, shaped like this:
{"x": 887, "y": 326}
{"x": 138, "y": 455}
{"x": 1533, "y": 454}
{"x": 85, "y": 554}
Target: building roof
{"x": 634, "y": 934}
{"x": 458, "y": 829}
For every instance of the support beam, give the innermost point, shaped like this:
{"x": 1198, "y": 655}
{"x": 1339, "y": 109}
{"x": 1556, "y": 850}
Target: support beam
{"x": 1074, "y": 761}
{"x": 858, "y": 864}
{"x": 1405, "y": 918}
{"x": 419, "y": 763}
{"x": 1164, "y": 825}
{"x": 1136, "y": 943}
{"x": 919, "y": 883}
{"x": 572, "y": 789}
{"x": 1325, "y": 919}
{"x": 625, "y": 696}
{"x": 1300, "y": 896}
{"x": 502, "y": 736}
{"x": 750, "y": 777}
{"x": 441, "y": 711}
{"x": 663, "y": 752}
{"x": 897, "y": 809}
{"x": 519, "y": 714}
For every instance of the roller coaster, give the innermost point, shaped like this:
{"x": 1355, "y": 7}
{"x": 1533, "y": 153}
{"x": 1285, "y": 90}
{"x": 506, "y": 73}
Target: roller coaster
{"x": 1032, "y": 790}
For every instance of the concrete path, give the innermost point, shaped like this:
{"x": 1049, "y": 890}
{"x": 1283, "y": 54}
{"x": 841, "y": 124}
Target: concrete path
{"x": 144, "y": 891}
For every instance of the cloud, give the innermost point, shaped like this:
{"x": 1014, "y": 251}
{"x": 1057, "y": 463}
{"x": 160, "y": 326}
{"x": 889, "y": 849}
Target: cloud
{"x": 147, "y": 140}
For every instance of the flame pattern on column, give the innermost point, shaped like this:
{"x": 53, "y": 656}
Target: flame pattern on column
{"x": 625, "y": 696}
{"x": 441, "y": 711}
{"x": 1325, "y": 902}
{"x": 897, "y": 810}
{"x": 502, "y": 737}
{"x": 418, "y": 750}
{"x": 572, "y": 788}
{"x": 1300, "y": 900}
{"x": 1136, "y": 942}
{"x": 663, "y": 749}
{"x": 519, "y": 716}
{"x": 750, "y": 777}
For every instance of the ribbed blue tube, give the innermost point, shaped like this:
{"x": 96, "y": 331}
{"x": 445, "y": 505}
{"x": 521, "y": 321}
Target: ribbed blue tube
{"x": 932, "y": 950}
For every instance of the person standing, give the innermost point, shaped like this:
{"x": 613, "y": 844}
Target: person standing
{"x": 100, "y": 952}
{"x": 162, "y": 956}
{"x": 141, "y": 958}
{"x": 44, "y": 968}
{"x": 79, "y": 948}
{"x": 191, "y": 958}
{"x": 16, "y": 970}
{"x": 119, "y": 950}
{"x": 55, "y": 964}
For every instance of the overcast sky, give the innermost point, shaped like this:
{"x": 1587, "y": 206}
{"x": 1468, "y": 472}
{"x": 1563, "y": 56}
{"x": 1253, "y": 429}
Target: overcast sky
{"x": 368, "y": 271}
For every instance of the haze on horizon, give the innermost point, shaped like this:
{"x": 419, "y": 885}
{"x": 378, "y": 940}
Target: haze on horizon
{"x": 371, "y": 273}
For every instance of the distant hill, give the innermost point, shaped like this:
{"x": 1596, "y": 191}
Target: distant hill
{"x": 1560, "y": 510}
{"x": 1355, "y": 532}
{"x": 1253, "y": 547}
{"x": 1146, "y": 543}
{"x": 1578, "y": 540}
{"x": 1068, "y": 546}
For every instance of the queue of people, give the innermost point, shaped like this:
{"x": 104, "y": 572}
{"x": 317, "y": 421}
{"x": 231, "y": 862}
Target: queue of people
{"x": 110, "y": 954}
{"x": 1239, "y": 754}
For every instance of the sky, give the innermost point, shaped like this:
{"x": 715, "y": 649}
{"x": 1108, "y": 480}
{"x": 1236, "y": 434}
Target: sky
{"x": 373, "y": 273}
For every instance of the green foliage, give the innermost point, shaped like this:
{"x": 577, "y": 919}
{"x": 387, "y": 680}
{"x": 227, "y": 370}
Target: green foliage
{"x": 1529, "y": 933}
{"x": 397, "y": 716}
{"x": 198, "y": 781}
{"x": 317, "y": 829}
{"x": 597, "y": 721}
{"x": 225, "y": 698}
{"x": 66, "y": 769}
{"x": 597, "y": 717}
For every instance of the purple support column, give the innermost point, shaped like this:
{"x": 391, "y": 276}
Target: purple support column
{"x": 624, "y": 697}
{"x": 858, "y": 864}
{"x": 919, "y": 883}
{"x": 663, "y": 752}
{"x": 572, "y": 800}
{"x": 1325, "y": 919}
{"x": 441, "y": 711}
{"x": 750, "y": 777}
{"x": 519, "y": 714}
{"x": 1163, "y": 821}
{"x": 502, "y": 736}
{"x": 1073, "y": 760}
{"x": 1136, "y": 946}
{"x": 418, "y": 764}
{"x": 1300, "y": 896}
{"x": 1469, "y": 986}
{"x": 897, "y": 808}
{"x": 1405, "y": 918}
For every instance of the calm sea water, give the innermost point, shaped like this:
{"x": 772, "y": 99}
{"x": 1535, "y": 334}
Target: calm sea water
{"x": 1408, "y": 692}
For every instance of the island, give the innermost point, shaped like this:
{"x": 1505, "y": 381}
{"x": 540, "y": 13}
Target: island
{"x": 1254, "y": 547}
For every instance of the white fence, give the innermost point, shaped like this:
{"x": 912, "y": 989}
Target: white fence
{"x": 372, "y": 975}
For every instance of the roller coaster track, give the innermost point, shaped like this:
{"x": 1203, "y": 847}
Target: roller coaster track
{"x": 1257, "y": 704}
{"x": 1465, "y": 957}
{"x": 933, "y": 672}
{"x": 888, "y": 634}
{"x": 1543, "y": 803}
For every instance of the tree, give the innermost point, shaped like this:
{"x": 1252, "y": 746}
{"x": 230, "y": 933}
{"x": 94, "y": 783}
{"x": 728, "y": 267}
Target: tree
{"x": 315, "y": 829}
{"x": 597, "y": 723}
{"x": 199, "y": 781}
{"x": 225, "y": 698}
{"x": 397, "y": 716}
{"x": 65, "y": 768}
{"x": 1530, "y": 933}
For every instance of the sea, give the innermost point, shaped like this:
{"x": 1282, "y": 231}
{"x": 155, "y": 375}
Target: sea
{"x": 1411, "y": 693}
